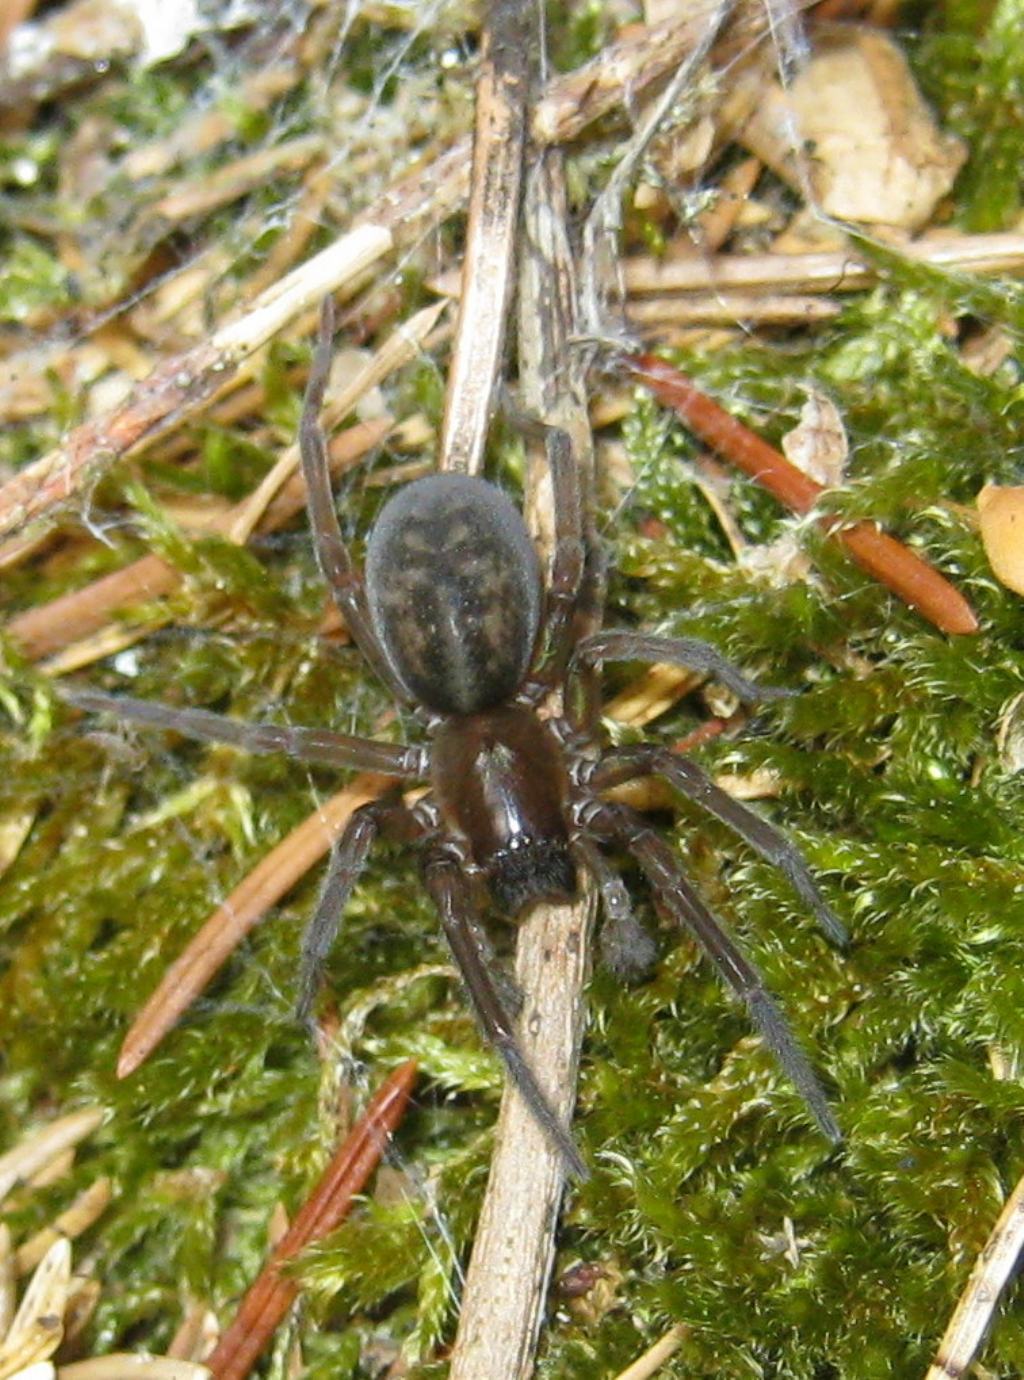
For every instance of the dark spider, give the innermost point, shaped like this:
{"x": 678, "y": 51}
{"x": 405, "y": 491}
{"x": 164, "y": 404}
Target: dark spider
{"x": 453, "y": 618}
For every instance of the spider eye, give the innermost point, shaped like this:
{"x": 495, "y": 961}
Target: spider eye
{"x": 454, "y": 591}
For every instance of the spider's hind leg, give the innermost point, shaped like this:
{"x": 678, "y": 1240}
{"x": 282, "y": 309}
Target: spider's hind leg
{"x": 626, "y": 947}
{"x": 691, "y": 781}
{"x": 348, "y": 858}
{"x": 679, "y": 899}
{"x": 450, "y": 891}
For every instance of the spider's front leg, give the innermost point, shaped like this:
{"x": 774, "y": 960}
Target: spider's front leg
{"x": 321, "y": 747}
{"x": 336, "y": 565}
{"x": 554, "y": 643}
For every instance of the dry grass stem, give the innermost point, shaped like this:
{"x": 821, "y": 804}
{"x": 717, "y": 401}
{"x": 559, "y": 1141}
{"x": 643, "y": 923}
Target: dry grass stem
{"x": 657, "y": 317}
{"x": 489, "y": 255}
{"x": 184, "y": 382}
{"x": 401, "y": 347}
{"x": 127, "y": 1365}
{"x": 601, "y": 284}
{"x": 75, "y": 617}
{"x": 19, "y": 1164}
{"x": 976, "y": 1308}
{"x": 835, "y": 271}
{"x": 37, "y": 1327}
{"x": 655, "y": 1357}
{"x": 90, "y": 1204}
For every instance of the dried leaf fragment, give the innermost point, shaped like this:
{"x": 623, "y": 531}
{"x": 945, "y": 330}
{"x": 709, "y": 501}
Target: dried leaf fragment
{"x": 878, "y": 155}
{"x": 873, "y": 150}
{"x": 817, "y": 444}
{"x": 38, "y": 1327}
{"x": 1001, "y": 519}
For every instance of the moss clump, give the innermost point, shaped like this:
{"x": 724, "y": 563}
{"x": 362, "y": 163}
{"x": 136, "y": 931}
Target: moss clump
{"x": 713, "y": 1201}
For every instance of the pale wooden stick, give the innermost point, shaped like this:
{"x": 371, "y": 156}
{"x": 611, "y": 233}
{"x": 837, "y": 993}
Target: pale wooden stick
{"x": 490, "y": 237}
{"x": 840, "y": 271}
{"x": 977, "y": 1305}
{"x": 655, "y": 1357}
{"x": 506, "y": 1284}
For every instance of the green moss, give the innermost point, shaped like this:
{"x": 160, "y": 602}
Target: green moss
{"x": 713, "y": 1200}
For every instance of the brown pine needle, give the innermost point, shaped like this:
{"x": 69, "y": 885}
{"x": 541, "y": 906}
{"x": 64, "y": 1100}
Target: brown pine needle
{"x": 274, "y": 875}
{"x": 888, "y": 560}
{"x": 272, "y": 1294}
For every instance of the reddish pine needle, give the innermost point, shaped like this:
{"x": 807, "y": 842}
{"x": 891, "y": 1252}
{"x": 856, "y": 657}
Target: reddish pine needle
{"x": 272, "y": 1294}
{"x": 882, "y": 556}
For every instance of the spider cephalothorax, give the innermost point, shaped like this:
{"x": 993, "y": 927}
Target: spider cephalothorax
{"x": 454, "y": 618}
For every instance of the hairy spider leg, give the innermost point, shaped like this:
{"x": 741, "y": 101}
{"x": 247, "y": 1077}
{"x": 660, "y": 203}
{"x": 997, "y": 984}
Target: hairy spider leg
{"x": 348, "y": 858}
{"x": 319, "y": 746}
{"x": 622, "y": 644}
{"x": 339, "y": 572}
{"x": 452, "y": 896}
{"x": 691, "y": 781}
{"x": 680, "y": 900}
{"x": 554, "y": 642}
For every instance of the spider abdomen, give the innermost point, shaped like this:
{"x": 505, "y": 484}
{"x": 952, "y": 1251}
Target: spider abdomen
{"x": 501, "y": 783}
{"x": 454, "y": 592}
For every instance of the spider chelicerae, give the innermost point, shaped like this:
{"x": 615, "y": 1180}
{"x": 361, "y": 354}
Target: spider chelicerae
{"x": 452, "y": 615}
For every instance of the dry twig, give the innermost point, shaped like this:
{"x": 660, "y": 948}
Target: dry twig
{"x": 489, "y": 258}
{"x": 513, "y": 1250}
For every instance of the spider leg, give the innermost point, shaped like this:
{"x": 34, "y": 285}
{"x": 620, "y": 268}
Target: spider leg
{"x": 690, "y": 780}
{"x": 348, "y": 858}
{"x": 678, "y": 897}
{"x": 626, "y": 947}
{"x": 621, "y": 644}
{"x": 342, "y": 577}
{"x": 554, "y": 642}
{"x": 316, "y": 745}
{"x": 451, "y": 894}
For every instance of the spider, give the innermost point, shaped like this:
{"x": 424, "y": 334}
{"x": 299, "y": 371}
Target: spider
{"x": 452, "y": 616}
